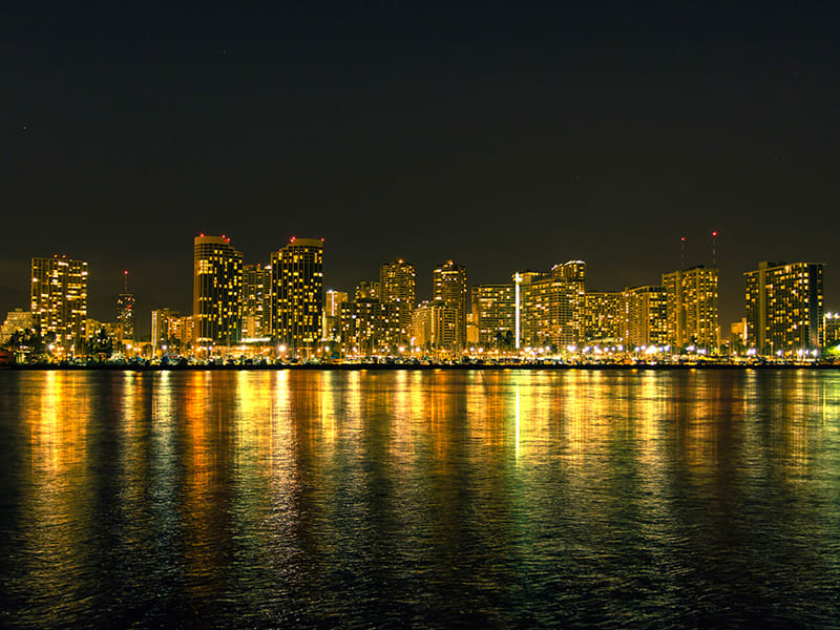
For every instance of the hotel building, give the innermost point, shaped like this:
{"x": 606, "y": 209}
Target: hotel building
{"x": 256, "y": 302}
{"x": 646, "y": 317}
{"x": 59, "y": 301}
{"x": 693, "y": 308}
{"x": 494, "y": 310}
{"x": 449, "y": 286}
{"x": 297, "y": 295}
{"x": 217, "y": 292}
{"x": 553, "y": 306}
{"x": 604, "y": 317}
{"x": 785, "y": 307}
{"x": 397, "y": 286}
{"x": 435, "y": 327}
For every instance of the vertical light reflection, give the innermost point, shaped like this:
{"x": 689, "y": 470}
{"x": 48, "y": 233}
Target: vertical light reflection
{"x": 57, "y": 500}
{"x": 518, "y": 419}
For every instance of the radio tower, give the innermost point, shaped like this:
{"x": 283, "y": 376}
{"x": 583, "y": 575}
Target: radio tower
{"x": 682, "y": 252}
{"x": 714, "y": 249}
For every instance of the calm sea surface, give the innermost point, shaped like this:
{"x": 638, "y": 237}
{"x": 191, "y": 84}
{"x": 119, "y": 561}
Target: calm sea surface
{"x": 437, "y": 499}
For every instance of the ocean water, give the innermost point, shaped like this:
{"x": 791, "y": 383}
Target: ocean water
{"x": 421, "y": 499}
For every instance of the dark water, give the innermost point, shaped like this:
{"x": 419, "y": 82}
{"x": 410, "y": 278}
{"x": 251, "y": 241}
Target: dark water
{"x": 420, "y": 499}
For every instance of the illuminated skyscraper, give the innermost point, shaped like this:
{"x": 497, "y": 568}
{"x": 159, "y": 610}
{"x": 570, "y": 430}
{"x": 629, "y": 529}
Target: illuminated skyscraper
{"x": 59, "y": 301}
{"x": 297, "y": 281}
{"x": 217, "y": 291}
{"x": 256, "y": 301}
{"x": 435, "y": 327}
{"x": 125, "y": 312}
{"x": 785, "y": 307}
{"x": 397, "y": 287}
{"x": 494, "y": 306}
{"x": 646, "y": 313}
{"x": 604, "y": 316}
{"x": 693, "y": 308}
{"x": 369, "y": 327}
{"x": 450, "y": 287}
{"x": 554, "y": 305}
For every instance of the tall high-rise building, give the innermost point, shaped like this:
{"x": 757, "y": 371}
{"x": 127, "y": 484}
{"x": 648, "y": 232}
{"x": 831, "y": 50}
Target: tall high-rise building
{"x": 785, "y": 307}
{"x": 125, "y": 312}
{"x": 450, "y": 287}
{"x": 646, "y": 317}
{"x": 217, "y": 291}
{"x": 297, "y": 281}
{"x": 397, "y": 286}
{"x": 554, "y": 305}
{"x": 604, "y": 316}
{"x": 435, "y": 327}
{"x": 256, "y": 301}
{"x": 693, "y": 308}
{"x": 369, "y": 327}
{"x": 59, "y": 301}
{"x": 494, "y": 307}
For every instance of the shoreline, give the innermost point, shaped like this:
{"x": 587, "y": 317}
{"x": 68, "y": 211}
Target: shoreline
{"x": 386, "y": 367}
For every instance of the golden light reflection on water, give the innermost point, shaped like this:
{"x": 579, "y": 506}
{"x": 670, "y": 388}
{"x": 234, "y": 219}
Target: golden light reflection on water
{"x": 262, "y": 477}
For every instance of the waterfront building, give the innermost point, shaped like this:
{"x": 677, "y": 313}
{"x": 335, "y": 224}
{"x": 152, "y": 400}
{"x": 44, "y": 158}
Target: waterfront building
{"x": 435, "y": 328}
{"x": 449, "y": 286}
{"x": 125, "y": 317}
{"x": 331, "y": 323}
{"x": 297, "y": 281}
{"x": 693, "y": 308}
{"x": 125, "y": 313}
{"x": 217, "y": 292}
{"x": 397, "y": 286}
{"x": 494, "y": 314}
{"x": 369, "y": 327}
{"x": 785, "y": 307}
{"x": 17, "y": 320}
{"x": 604, "y": 316}
{"x": 59, "y": 301}
{"x": 256, "y": 301}
{"x": 738, "y": 336}
{"x": 831, "y": 330}
{"x": 646, "y": 317}
{"x": 171, "y": 332}
{"x": 554, "y": 305}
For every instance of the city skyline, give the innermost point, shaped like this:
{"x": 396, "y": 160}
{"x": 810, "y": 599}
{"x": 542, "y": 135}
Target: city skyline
{"x": 143, "y": 324}
{"x": 551, "y": 310}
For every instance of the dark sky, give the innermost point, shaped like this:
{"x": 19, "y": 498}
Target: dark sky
{"x": 504, "y": 136}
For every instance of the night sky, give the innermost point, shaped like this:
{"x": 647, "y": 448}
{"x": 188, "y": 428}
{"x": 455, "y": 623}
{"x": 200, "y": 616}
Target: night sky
{"x": 503, "y": 136}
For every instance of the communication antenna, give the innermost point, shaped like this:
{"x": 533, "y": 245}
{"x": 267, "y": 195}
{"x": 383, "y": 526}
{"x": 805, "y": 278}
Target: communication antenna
{"x": 714, "y": 249}
{"x": 682, "y": 252}
{"x": 125, "y": 281}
